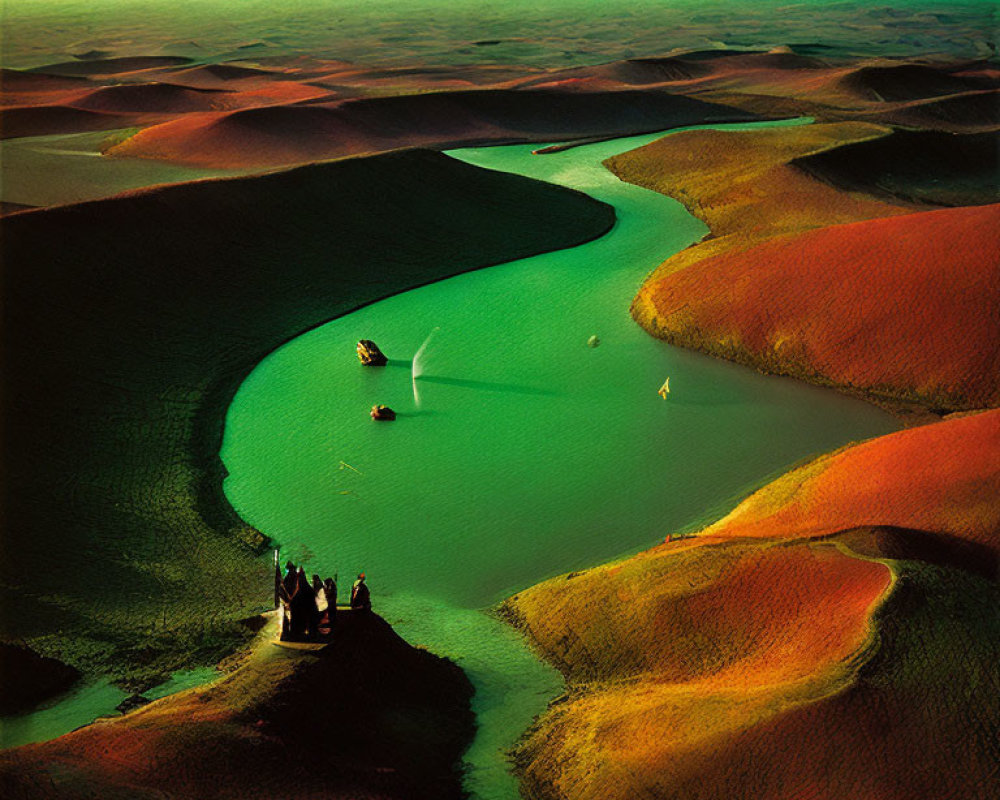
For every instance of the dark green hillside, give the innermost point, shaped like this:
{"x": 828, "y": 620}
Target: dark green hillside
{"x": 128, "y": 324}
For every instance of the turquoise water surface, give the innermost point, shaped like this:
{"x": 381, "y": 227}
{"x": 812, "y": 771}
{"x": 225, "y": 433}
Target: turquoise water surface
{"x": 519, "y": 451}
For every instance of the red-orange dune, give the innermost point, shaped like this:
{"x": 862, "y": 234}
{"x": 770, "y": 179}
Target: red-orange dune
{"x": 906, "y": 308}
{"x": 943, "y": 478}
{"x": 170, "y": 98}
{"x": 754, "y": 662}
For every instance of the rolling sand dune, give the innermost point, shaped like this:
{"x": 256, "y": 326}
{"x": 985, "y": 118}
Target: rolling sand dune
{"x": 295, "y": 134}
{"x": 743, "y": 184}
{"x": 777, "y": 59}
{"x": 17, "y": 81}
{"x": 915, "y": 166}
{"x": 128, "y": 325}
{"x": 903, "y": 309}
{"x": 215, "y": 74}
{"x": 941, "y": 478}
{"x": 975, "y": 111}
{"x": 908, "y": 82}
{"x": 112, "y": 66}
{"x": 152, "y": 97}
{"x": 630, "y": 72}
{"x": 171, "y": 99}
{"x": 729, "y": 668}
{"x": 340, "y": 723}
{"x": 45, "y": 120}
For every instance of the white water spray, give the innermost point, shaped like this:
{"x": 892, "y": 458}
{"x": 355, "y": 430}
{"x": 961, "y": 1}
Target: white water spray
{"x": 417, "y": 368}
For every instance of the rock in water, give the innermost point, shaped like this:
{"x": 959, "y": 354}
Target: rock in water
{"x": 593, "y": 341}
{"x": 132, "y": 702}
{"x": 370, "y": 355}
{"x": 383, "y": 413}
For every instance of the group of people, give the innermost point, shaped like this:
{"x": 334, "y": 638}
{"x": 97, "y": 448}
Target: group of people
{"x": 309, "y": 610}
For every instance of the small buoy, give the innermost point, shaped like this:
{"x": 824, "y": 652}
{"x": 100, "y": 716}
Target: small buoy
{"x": 593, "y": 341}
{"x": 383, "y": 413}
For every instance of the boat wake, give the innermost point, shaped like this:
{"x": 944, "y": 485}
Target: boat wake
{"x": 417, "y": 368}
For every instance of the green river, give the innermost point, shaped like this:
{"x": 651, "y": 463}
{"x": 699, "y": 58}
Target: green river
{"x": 519, "y": 451}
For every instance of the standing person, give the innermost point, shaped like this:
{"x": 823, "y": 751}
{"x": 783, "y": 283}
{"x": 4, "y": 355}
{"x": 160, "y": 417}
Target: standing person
{"x": 304, "y": 614}
{"x": 330, "y": 590}
{"x": 361, "y": 599}
{"x": 286, "y": 592}
{"x": 319, "y": 590}
{"x": 322, "y": 618}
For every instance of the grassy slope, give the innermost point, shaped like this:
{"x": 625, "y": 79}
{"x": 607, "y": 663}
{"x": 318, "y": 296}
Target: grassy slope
{"x": 129, "y": 323}
{"x": 368, "y": 717}
{"x": 742, "y": 185}
{"x": 784, "y": 666}
{"x": 832, "y": 306}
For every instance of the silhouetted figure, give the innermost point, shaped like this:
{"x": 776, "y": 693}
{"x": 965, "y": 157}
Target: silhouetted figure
{"x": 322, "y": 608}
{"x": 328, "y": 618}
{"x": 305, "y": 617}
{"x": 361, "y": 599}
{"x": 286, "y": 591}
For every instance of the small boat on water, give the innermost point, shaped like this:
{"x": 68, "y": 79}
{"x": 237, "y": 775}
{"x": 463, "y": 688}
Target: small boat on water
{"x": 370, "y": 355}
{"x": 665, "y": 389}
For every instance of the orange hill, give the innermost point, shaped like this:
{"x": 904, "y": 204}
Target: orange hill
{"x": 942, "y": 478}
{"x": 902, "y": 309}
{"x": 782, "y": 666}
{"x": 899, "y": 307}
{"x": 163, "y": 97}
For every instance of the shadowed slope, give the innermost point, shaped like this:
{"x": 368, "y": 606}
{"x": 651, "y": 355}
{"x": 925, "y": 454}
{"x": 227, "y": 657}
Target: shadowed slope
{"x": 727, "y": 668}
{"x": 128, "y": 325}
{"x": 903, "y": 309}
{"x": 908, "y": 82}
{"x": 367, "y": 717}
{"x": 46, "y": 120}
{"x": 149, "y": 97}
{"x": 112, "y": 66}
{"x": 974, "y": 112}
{"x": 743, "y": 184}
{"x": 916, "y": 166}
{"x": 295, "y": 134}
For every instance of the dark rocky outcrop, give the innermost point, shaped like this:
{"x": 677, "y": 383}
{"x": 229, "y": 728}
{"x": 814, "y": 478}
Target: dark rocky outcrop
{"x": 368, "y": 716}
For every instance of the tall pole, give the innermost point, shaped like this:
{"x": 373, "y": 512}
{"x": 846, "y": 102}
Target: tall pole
{"x": 277, "y": 578}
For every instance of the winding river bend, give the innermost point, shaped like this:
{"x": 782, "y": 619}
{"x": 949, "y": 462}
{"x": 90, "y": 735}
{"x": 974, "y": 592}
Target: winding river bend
{"x": 519, "y": 452}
